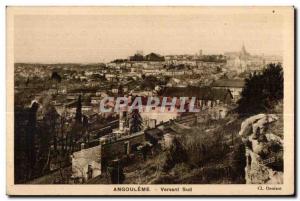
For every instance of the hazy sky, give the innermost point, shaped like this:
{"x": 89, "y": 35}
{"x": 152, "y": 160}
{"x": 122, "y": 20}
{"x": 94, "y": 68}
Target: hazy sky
{"x": 97, "y": 38}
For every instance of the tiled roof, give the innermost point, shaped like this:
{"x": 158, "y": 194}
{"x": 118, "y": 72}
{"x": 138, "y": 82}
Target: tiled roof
{"x": 229, "y": 83}
{"x": 203, "y": 93}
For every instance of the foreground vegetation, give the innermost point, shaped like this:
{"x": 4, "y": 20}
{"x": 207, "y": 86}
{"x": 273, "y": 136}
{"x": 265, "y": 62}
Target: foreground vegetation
{"x": 208, "y": 152}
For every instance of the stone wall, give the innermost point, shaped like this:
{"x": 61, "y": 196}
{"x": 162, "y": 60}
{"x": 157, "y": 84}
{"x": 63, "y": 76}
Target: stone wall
{"x": 84, "y": 161}
{"x": 122, "y": 146}
{"x": 87, "y": 163}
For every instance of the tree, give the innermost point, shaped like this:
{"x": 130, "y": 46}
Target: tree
{"x": 85, "y": 122}
{"x": 55, "y": 76}
{"x": 62, "y": 131}
{"x": 48, "y": 137}
{"x": 120, "y": 91}
{"x": 78, "y": 115}
{"x": 77, "y": 127}
{"x": 20, "y": 143}
{"x": 137, "y": 57}
{"x": 27, "y": 82}
{"x": 154, "y": 57}
{"x": 75, "y": 134}
{"x": 50, "y": 119}
{"x": 30, "y": 137}
{"x": 116, "y": 173}
{"x": 136, "y": 122}
{"x": 262, "y": 91}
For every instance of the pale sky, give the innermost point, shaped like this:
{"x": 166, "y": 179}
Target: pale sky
{"x": 98, "y": 38}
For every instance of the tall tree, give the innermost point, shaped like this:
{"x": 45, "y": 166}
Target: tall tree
{"x": 62, "y": 132}
{"x": 51, "y": 121}
{"x": 78, "y": 116}
{"x": 48, "y": 137}
{"x": 30, "y": 137}
{"x": 20, "y": 143}
{"x": 136, "y": 121}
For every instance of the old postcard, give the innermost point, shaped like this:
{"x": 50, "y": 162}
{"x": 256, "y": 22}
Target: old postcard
{"x": 150, "y": 101}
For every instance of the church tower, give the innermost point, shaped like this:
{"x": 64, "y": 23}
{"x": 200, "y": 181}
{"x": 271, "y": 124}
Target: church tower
{"x": 244, "y": 51}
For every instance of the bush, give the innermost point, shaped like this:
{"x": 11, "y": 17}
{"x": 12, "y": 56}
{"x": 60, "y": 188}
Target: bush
{"x": 262, "y": 91}
{"x": 196, "y": 147}
{"x": 176, "y": 154}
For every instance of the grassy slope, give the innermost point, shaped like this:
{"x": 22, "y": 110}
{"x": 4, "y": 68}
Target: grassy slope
{"x": 211, "y": 167}
{"x": 216, "y": 165}
{"x": 220, "y": 160}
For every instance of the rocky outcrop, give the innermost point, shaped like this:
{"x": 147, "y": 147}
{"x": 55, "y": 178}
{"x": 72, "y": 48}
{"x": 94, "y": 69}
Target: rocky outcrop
{"x": 264, "y": 150}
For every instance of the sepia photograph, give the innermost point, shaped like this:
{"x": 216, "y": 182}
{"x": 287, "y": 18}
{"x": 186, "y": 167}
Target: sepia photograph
{"x": 150, "y": 100}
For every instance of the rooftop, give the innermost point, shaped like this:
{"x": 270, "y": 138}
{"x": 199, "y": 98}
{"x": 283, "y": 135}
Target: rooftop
{"x": 203, "y": 93}
{"x": 229, "y": 83}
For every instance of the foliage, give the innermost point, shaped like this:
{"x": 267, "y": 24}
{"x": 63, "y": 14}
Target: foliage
{"x": 262, "y": 91}
{"x": 78, "y": 115}
{"x": 56, "y": 76}
{"x": 50, "y": 121}
{"x": 238, "y": 161}
{"x": 210, "y": 152}
{"x": 136, "y": 121}
{"x": 175, "y": 155}
{"x": 213, "y": 58}
{"x": 30, "y": 135}
{"x": 137, "y": 57}
{"x": 201, "y": 147}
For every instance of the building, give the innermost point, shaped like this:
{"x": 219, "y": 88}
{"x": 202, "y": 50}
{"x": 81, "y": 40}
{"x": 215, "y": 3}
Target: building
{"x": 206, "y": 96}
{"x": 235, "y": 86}
{"x": 94, "y": 156}
{"x": 154, "y": 115}
{"x": 154, "y": 57}
{"x": 243, "y": 61}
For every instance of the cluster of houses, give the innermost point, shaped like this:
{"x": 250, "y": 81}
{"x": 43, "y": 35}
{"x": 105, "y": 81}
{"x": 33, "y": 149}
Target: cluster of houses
{"x": 119, "y": 143}
{"x": 113, "y": 140}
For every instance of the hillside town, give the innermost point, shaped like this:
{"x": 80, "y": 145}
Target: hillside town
{"x": 72, "y": 141}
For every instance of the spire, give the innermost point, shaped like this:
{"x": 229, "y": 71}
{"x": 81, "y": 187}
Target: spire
{"x": 243, "y": 50}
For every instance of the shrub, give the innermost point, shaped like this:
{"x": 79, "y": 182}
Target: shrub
{"x": 176, "y": 154}
{"x": 262, "y": 91}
